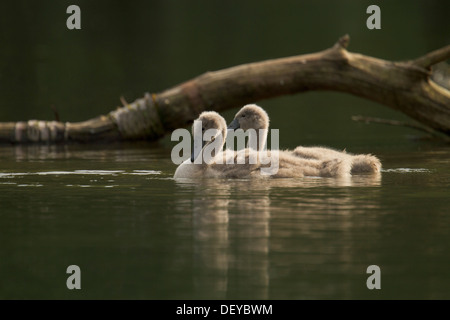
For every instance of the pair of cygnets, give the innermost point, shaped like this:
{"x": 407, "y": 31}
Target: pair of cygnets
{"x": 301, "y": 162}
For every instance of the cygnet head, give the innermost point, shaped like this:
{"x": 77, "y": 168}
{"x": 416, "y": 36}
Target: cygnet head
{"x": 209, "y": 120}
{"x": 250, "y": 116}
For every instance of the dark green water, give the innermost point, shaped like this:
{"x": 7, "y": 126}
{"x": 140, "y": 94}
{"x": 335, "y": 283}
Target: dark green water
{"x": 116, "y": 212}
{"x": 137, "y": 233}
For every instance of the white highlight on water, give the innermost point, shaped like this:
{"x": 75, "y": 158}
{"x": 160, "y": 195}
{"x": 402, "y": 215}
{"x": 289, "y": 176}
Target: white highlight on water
{"x": 80, "y": 172}
{"x": 407, "y": 170}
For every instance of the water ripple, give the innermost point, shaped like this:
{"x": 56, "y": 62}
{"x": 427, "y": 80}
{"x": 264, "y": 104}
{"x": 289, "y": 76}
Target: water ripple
{"x": 80, "y": 172}
{"x": 408, "y": 170}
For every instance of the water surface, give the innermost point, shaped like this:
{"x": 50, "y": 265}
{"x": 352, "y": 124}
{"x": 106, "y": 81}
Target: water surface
{"x": 136, "y": 233}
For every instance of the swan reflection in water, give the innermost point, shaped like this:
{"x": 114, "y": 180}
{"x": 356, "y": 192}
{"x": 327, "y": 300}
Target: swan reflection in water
{"x": 236, "y": 227}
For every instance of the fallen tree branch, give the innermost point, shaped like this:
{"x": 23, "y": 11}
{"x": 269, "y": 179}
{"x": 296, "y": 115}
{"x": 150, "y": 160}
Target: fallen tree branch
{"x": 403, "y": 86}
{"x": 432, "y": 58}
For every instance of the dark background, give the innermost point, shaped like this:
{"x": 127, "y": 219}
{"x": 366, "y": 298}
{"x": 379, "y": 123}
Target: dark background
{"x": 127, "y": 48}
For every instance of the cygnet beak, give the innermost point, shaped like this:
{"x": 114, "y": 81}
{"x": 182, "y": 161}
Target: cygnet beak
{"x": 234, "y": 125}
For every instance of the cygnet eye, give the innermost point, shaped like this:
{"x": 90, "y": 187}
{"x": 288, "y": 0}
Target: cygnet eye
{"x": 243, "y": 116}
